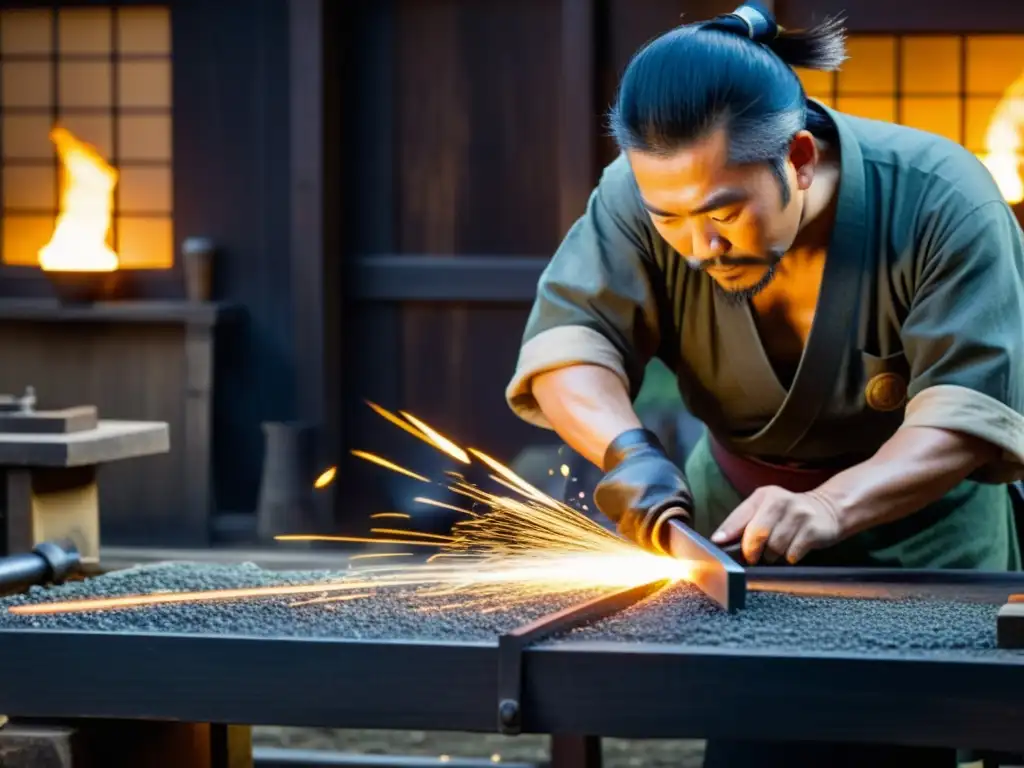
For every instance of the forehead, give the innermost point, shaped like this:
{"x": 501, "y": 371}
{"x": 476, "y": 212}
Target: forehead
{"x": 686, "y": 176}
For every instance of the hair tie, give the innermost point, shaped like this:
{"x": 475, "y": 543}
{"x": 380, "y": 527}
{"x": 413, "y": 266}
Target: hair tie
{"x": 749, "y": 20}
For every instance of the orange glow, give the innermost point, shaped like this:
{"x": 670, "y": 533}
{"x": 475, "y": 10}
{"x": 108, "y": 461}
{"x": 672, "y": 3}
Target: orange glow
{"x": 79, "y": 241}
{"x": 1003, "y": 143}
{"x": 326, "y": 478}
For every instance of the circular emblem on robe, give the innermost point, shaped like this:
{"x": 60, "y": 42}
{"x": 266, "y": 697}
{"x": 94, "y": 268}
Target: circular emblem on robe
{"x": 886, "y": 392}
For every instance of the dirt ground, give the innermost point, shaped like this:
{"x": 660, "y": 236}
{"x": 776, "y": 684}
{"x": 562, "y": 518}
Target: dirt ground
{"x": 618, "y": 753}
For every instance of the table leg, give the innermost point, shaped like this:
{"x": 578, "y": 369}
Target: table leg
{"x": 573, "y": 751}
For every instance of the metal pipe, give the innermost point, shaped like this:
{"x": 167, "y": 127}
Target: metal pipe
{"x": 49, "y": 562}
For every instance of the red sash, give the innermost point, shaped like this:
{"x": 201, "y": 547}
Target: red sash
{"x": 747, "y": 474}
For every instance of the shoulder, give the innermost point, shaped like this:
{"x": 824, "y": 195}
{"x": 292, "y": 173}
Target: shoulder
{"x": 937, "y": 196}
{"x": 926, "y": 169}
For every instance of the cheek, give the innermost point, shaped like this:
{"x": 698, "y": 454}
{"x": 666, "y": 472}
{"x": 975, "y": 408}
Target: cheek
{"x": 677, "y": 235}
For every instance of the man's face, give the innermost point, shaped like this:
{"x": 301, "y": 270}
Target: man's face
{"x": 727, "y": 220}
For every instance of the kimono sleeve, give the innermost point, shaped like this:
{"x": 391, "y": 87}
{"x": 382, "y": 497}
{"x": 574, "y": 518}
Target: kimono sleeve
{"x": 964, "y": 337}
{"x": 596, "y": 303}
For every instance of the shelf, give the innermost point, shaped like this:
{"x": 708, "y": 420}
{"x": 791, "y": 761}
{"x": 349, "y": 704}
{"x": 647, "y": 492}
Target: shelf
{"x": 155, "y": 311}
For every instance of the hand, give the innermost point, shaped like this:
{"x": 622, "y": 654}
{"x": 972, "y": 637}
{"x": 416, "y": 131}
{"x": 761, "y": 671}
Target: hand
{"x": 642, "y": 489}
{"x": 776, "y": 523}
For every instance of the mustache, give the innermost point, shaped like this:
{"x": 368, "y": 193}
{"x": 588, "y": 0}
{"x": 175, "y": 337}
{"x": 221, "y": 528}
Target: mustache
{"x": 773, "y": 257}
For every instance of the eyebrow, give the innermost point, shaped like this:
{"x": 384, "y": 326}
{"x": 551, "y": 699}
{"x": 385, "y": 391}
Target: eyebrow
{"x": 719, "y": 199}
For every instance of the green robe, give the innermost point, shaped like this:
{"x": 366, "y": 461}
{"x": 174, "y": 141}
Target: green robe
{"x": 920, "y": 321}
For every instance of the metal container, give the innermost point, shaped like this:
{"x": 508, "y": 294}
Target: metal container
{"x": 287, "y": 502}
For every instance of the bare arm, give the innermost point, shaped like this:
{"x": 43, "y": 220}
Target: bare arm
{"x": 914, "y": 468}
{"x": 587, "y": 405}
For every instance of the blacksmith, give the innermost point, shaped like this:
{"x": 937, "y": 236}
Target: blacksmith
{"x": 843, "y": 303}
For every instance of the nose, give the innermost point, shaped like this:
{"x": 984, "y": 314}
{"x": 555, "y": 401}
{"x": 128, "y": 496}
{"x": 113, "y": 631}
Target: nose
{"x": 707, "y": 243}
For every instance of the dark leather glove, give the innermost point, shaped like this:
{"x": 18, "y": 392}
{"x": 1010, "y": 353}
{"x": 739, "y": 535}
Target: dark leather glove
{"x": 642, "y": 489}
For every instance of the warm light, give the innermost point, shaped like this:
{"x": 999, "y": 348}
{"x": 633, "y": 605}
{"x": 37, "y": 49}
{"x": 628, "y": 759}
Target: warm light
{"x": 79, "y": 241}
{"x": 1003, "y": 142}
{"x": 326, "y": 477}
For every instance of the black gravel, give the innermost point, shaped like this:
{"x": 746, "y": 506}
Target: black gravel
{"x": 679, "y": 615}
{"x": 390, "y": 613}
{"x": 788, "y": 623}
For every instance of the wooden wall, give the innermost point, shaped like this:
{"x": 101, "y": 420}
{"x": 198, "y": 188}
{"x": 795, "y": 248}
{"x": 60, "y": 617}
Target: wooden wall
{"x": 474, "y": 132}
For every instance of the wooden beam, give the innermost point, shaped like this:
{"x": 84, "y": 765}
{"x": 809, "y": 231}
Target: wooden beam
{"x": 306, "y": 91}
{"x": 578, "y": 125}
{"x": 909, "y": 16}
{"x": 436, "y": 277}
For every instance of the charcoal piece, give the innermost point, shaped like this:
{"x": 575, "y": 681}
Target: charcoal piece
{"x": 389, "y": 613}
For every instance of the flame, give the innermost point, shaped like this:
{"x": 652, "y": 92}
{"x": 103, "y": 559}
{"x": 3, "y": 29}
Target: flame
{"x": 1003, "y": 142}
{"x": 79, "y": 240}
{"x": 513, "y": 550}
{"x": 326, "y": 477}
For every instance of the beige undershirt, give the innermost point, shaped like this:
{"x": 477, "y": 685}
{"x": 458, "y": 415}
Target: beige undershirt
{"x": 943, "y": 406}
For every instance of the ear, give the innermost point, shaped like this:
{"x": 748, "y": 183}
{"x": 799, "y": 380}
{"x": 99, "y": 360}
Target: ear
{"x": 803, "y": 154}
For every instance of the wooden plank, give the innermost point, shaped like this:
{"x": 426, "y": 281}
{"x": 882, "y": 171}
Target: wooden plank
{"x": 110, "y": 441}
{"x": 449, "y": 278}
{"x": 896, "y": 16}
{"x": 60, "y": 422}
{"x": 578, "y": 114}
{"x": 475, "y": 115}
{"x": 306, "y": 48}
{"x": 198, "y": 434}
{"x": 51, "y": 311}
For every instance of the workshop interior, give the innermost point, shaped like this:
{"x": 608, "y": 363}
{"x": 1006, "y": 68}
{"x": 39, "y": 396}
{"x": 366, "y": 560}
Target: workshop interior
{"x": 264, "y": 273}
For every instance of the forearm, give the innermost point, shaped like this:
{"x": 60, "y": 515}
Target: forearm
{"x": 914, "y": 468}
{"x": 587, "y": 405}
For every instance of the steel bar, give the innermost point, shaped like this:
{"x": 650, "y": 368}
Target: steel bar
{"x": 716, "y": 574}
{"x": 943, "y": 700}
{"x": 512, "y": 644}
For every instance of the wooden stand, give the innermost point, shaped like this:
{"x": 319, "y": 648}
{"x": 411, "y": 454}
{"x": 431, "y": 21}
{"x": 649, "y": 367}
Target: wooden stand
{"x": 48, "y": 485}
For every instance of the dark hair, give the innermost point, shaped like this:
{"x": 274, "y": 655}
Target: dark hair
{"x": 733, "y": 71}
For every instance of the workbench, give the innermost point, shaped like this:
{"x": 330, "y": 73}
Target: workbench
{"x": 568, "y": 684}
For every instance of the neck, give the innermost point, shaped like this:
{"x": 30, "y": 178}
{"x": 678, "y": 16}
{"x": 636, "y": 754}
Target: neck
{"x": 819, "y": 204}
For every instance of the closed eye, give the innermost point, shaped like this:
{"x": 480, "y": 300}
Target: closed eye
{"x": 728, "y": 218}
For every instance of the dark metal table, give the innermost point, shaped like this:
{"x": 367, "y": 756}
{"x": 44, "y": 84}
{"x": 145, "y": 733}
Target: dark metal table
{"x": 568, "y": 686}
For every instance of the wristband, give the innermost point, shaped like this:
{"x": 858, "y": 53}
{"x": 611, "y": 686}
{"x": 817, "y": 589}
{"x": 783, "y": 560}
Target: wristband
{"x": 629, "y": 443}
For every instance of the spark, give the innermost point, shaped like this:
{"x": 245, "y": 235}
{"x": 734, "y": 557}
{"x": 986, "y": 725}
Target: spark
{"x": 402, "y": 515}
{"x": 442, "y": 505}
{"x": 380, "y": 461}
{"x": 325, "y": 478}
{"x": 437, "y": 439}
{"x": 522, "y": 545}
{"x": 328, "y": 599}
{"x": 374, "y": 555}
